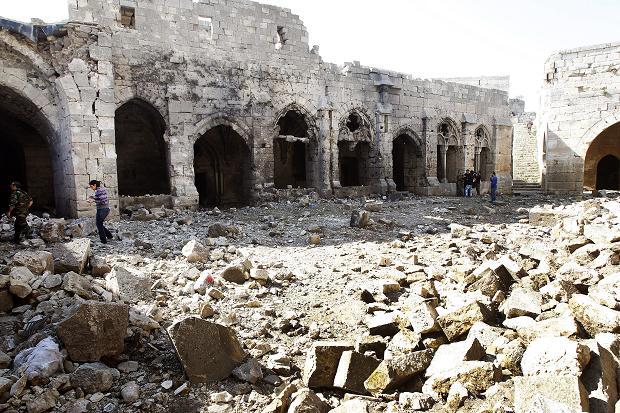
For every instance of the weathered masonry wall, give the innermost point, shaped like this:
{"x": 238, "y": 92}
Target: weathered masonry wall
{"x": 579, "y": 106}
{"x": 524, "y": 147}
{"x": 237, "y": 103}
{"x": 488, "y": 82}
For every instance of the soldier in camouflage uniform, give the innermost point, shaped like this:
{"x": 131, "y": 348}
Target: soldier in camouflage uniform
{"x": 19, "y": 204}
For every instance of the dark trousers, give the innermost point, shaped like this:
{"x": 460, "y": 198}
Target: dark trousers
{"x": 493, "y": 194}
{"x": 21, "y": 227}
{"x": 104, "y": 233}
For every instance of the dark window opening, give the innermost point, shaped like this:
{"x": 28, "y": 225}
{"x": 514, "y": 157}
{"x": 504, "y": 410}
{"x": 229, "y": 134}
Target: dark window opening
{"x": 608, "y": 173}
{"x": 354, "y": 122}
{"x": 128, "y": 17}
{"x": 293, "y": 124}
{"x": 281, "y": 37}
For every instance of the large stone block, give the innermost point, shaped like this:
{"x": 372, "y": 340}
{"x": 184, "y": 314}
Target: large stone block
{"x": 95, "y": 330}
{"x": 36, "y": 261}
{"x": 550, "y": 394}
{"x": 128, "y": 286}
{"x": 71, "y": 256}
{"x": 458, "y": 321}
{"x": 392, "y": 373}
{"x": 208, "y": 351}
{"x": 594, "y": 317}
{"x": 322, "y": 363}
{"x": 476, "y": 376}
{"x": 353, "y": 370}
{"x": 555, "y": 355}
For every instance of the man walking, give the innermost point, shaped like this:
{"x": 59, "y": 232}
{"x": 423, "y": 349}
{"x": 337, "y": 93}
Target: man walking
{"x": 493, "y": 187}
{"x": 19, "y": 204}
{"x": 469, "y": 181}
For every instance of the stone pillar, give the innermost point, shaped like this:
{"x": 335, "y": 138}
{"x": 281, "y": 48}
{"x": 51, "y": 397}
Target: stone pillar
{"x": 325, "y": 161}
{"x": 443, "y": 151}
{"x": 381, "y": 179}
{"x": 181, "y": 169}
{"x": 502, "y": 154}
{"x": 477, "y": 165}
{"x": 88, "y": 126}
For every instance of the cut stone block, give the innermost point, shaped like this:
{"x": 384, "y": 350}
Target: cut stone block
{"x": 208, "y": 351}
{"x": 322, "y": 363}
{"x": 95, "y": 330}
{"x": 550, "y": 394}
{"x": 72, "y": 256}
{"x": 392, "y": 373}
{"x": 353, "y": 370}
{"x": 458, "y": 322}
{"x": 36, "y": 261}
{"x": 594, "y": 317}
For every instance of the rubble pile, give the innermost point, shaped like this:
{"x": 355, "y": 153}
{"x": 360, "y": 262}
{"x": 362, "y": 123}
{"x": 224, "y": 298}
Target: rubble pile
{"x": 420, "y": 304}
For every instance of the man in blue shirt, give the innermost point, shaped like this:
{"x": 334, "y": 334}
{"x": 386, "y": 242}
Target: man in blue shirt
{"x": 493, "y": 187}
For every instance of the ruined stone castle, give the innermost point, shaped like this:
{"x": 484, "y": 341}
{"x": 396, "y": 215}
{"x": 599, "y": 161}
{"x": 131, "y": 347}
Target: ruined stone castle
{"x": 215, "y": 102}
{"x": 579, "y": 121}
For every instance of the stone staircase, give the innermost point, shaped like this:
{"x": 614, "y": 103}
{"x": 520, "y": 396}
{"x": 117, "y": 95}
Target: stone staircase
{"x": 522, "y": 188}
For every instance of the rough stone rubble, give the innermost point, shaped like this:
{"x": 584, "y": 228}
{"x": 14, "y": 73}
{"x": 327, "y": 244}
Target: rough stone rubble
{"x": 434, "y": 304}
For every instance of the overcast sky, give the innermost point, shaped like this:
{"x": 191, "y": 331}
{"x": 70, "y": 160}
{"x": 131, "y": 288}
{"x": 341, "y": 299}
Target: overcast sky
{"x": 433, "y": 38}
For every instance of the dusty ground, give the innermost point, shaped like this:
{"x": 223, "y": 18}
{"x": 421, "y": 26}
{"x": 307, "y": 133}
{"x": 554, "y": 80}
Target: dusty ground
{"x": 314, "y": 292}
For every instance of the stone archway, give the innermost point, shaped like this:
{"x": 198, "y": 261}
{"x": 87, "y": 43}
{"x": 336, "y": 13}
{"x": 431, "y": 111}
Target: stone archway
{"x": 141, "y": 152}
{"x": 26, "y": 151}
{"x": 222, "y": 168}
{"x": 294, "y": 151}
{"x": 407, "y": 163}
{"x": 599, "y": 170}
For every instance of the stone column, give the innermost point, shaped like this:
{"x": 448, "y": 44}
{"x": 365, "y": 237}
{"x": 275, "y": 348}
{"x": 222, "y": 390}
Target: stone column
{"x": 324, "y": 153}
{"x": 443, "y": 150}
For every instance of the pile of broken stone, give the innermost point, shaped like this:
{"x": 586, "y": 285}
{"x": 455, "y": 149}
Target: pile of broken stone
{"x": 522, "y": 325}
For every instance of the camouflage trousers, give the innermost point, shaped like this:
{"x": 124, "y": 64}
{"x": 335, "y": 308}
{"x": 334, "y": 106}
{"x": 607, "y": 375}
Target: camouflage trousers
{"x": 21, "y": 227}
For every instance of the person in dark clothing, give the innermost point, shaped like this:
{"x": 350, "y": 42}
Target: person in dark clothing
{"x": 493, "y": 187}
{"x": 469, "y": 181}
{"x": 19, "y": 204}
{"x": 477, "y": 179}
{"x": 103, "y": 209}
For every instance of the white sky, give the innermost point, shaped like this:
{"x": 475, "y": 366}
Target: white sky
{"x": 426, "y": 38}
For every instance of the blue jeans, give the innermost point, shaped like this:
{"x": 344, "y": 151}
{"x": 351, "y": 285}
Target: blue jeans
{"x": 493, "y": 194}
{"x": 467, "y": 190}
{"x": 104, "y": 233}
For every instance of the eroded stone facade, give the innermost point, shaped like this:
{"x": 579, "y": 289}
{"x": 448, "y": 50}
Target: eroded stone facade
{"x": 217, "y": 102}
{"x": 525, "y": 167}
{"x": 579, "y": 121}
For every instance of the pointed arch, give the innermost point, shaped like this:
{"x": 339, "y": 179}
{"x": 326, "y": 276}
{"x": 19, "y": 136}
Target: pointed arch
{"x": 141, "y": 150}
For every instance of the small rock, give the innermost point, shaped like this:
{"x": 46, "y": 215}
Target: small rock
{"x": 93, "y": 377}
{"x": 130, "y": 392}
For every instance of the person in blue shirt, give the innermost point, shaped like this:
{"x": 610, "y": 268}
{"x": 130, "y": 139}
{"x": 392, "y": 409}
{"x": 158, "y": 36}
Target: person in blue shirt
{"x": 493, "y": 187}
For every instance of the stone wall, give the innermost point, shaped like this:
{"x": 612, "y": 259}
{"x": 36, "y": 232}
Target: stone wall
{"x": 244, "y": 66}
{"x": 487, "y": 82}
{"x": 579, "y": 101}
{"x": 524, "y": 148}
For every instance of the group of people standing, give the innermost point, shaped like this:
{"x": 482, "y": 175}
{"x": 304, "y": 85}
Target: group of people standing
{"x": 471, "y": 179}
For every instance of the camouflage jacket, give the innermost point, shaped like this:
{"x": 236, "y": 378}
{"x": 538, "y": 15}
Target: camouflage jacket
{"x": 20, "y": 202}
